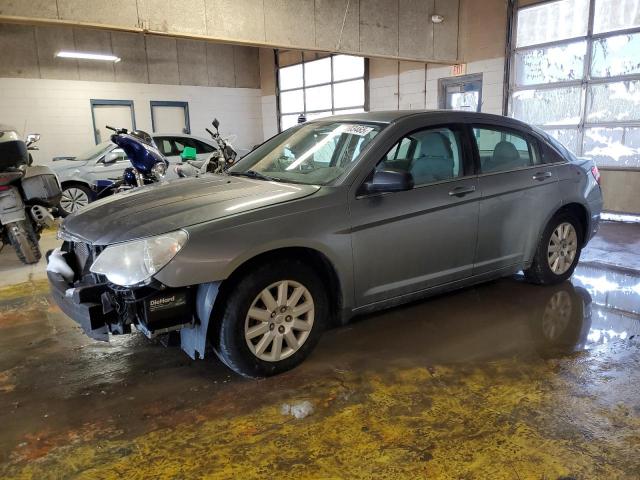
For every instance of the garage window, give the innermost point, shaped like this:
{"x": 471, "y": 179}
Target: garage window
{"x": 320, "y": 87}
{"x": 576, "y": 74}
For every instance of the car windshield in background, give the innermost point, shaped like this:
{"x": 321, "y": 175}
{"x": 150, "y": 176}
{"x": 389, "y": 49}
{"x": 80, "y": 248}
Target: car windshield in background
{"x": 93, "y": 152}
{"x": 315, "y": 153}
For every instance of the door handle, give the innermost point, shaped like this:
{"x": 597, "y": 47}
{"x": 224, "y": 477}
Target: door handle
{"x": 461, "y": 191}
{"x": 542, "y": 176}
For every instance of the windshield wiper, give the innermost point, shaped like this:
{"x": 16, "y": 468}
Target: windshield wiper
{"x": 251, "y": 174}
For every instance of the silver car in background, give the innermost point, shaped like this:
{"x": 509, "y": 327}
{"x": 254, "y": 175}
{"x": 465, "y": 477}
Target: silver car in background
{"x": 327, "y": 220}
{"x": 88, "y": 176}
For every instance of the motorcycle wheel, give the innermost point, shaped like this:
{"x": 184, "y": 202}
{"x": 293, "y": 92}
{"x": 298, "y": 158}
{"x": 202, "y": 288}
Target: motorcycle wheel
{"x": 23, "y": 239}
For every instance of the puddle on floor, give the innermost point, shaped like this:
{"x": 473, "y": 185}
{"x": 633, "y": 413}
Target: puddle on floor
{"x": 59, "y": 388}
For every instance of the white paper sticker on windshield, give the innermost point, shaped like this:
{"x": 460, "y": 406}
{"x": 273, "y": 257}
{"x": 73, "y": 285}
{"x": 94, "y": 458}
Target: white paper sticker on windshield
{"x": 361, "y": 130}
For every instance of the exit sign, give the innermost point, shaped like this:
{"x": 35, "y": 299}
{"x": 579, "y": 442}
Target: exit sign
{"x": 459, "y": 69}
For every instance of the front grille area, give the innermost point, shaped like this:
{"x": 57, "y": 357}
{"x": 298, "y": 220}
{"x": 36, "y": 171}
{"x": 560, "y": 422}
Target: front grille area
{"x": 82, "y": 252}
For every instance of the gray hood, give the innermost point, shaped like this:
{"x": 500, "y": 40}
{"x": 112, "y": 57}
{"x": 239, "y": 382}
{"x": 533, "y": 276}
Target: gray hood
{"x": 157, "y": 209}
{"x": 59, "y": 165}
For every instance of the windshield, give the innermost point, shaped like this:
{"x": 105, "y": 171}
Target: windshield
{"x": 93, "y": 152}
{"x": 314, "y": 153}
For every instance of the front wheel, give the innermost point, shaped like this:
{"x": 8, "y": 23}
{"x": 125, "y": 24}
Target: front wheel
{"x": 24, "y": 240}
{"x": 74, "y": 197}
{"x": 558, "y": 251}
{"x": 273, "y": 319}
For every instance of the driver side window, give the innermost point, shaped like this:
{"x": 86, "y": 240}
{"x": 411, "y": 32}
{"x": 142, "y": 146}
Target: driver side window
{"x": 430, "y": 155}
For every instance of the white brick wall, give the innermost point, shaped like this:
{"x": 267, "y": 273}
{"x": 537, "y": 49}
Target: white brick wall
{"x": 414, "y": 88}
{"x": 60, "y": 110}
{"x": 269, "y": 116}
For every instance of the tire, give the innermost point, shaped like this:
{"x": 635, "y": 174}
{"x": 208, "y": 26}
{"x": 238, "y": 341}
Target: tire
{"x": 74, "y": 197}
{"x": 23, "y": 239}
{"x": 544, "y": 270}
{"x": 260, "y": 359}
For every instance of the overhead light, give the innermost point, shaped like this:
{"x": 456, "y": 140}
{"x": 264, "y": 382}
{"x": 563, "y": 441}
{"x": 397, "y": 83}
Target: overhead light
{"x": 88, "y": 56}
{"x": 437, "y": 18}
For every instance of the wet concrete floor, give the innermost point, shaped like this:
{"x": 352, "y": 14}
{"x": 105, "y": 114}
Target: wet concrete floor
{"x": 503, "y": 380}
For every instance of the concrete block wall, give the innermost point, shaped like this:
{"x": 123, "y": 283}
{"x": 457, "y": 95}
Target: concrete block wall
{"x": 60, "y": 110}
{"x": 492, "y": 71}
{"x": 29, "y": 52}
{"x": 397, "y": 28}
{"x": 403, "y": 85}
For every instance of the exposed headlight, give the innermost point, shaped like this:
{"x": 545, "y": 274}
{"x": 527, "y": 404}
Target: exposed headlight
{"x": 131, "y": 263}
{"x": 158, "y": 170}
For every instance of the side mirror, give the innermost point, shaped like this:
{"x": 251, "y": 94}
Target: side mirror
{"x": 33, "y": 137}
{"x": 111, "y": 157}
{"x": 388, "y": 181}
{"x": 215, "y": 123}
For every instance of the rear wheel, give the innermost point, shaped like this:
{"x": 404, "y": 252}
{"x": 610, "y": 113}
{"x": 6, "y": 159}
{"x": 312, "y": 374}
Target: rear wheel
{"x": 558, "y": 251}
{"x": 23, "y": 239}
{"x": 273, "y": 319}
{"x": 74, "y": 197}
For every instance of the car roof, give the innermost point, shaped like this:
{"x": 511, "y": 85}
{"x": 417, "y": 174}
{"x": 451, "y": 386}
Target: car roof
{"x": 390, "y": 116}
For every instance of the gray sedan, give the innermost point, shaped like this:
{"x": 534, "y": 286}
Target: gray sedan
{"x": 88, "y": 176}
{"x": 327, "y": 220}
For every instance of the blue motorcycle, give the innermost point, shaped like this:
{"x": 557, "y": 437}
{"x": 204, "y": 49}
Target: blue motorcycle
{"x": 148, "y": 164}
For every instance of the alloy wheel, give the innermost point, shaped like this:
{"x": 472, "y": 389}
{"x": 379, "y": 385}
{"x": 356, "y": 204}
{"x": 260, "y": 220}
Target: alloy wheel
{"x": 562, "y": 248}
{"x": 279, "y": 320}
{"x": 73, "y": 199}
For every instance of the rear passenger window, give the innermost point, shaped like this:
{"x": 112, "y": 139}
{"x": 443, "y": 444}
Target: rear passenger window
{"x": 502, "y": 150}
{"x": 164, "y": 145}
{"x": 431, "y": 155}
{"x": 202, "y": 147}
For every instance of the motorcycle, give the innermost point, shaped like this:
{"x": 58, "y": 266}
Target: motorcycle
{"x": 27, "y": 193}
{"x": 219, "y": 161}
{"x": 148, "y": 164}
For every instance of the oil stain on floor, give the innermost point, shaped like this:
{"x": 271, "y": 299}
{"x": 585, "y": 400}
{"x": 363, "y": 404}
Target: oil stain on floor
{"x": 505, "y": 380}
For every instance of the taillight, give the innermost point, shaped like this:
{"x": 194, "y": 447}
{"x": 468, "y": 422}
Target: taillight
{"x": 596, "y": 173}
{"x": 4, "y": 187}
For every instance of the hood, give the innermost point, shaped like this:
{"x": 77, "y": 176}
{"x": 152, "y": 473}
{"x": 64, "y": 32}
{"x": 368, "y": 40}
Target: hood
{"x": 157, "y": 209}
{"x": 60, "y": 164}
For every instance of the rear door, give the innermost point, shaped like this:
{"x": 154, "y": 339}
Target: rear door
{"x": 404, "y": 242}
{"x": 518, "y": 192}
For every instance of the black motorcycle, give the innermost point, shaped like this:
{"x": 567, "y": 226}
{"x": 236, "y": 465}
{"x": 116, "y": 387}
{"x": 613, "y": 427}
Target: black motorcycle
{"x": 27, "y": 192}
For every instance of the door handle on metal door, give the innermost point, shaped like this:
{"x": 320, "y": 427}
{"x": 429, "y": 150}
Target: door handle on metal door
{"x": 542, "y": 176}
{"x": 461, "y": 191}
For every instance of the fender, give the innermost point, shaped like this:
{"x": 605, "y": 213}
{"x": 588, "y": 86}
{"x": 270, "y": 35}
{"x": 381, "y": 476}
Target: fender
{"x": 193, "y": 341}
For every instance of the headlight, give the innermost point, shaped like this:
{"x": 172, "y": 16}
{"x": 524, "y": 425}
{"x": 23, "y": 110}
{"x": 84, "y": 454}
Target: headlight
{"x": 158, "y": 170}
{"x": 133, "y": 262}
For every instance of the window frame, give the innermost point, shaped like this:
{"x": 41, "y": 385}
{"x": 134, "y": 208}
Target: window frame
{"x": 466, "y": 153}
{"x": 584, "y": 82}
{"x": 532, "y": 141}
{"x": 304, "y": 87}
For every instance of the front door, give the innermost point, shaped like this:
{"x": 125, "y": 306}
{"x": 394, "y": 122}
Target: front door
{"x": 404, "y": 242}
{"x": 518, "y": 191}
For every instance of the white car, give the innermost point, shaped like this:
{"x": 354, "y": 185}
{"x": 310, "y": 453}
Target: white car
{"x": 88, "y": 176}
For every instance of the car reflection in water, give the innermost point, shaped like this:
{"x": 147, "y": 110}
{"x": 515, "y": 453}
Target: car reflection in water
{"x": 502, "y": 319}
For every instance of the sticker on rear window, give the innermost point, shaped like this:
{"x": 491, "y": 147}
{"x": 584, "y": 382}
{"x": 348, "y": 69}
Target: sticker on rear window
{"x": 358, "y": 130}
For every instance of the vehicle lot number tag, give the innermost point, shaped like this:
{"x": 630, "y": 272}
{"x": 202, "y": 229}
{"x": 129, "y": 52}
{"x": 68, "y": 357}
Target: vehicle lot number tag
{"x": 358, "y": 130}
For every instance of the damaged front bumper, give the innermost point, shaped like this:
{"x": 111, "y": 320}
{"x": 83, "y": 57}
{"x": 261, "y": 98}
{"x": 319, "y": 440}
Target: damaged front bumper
{"x": 102, "y": 308}
{"x": 83, "y": 304}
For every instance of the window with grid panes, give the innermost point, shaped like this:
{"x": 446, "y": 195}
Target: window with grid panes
{"x": 576, "y": 74}
{"x": 321, "y": 87}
